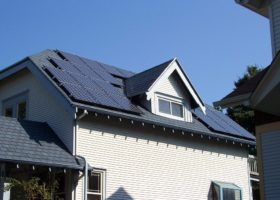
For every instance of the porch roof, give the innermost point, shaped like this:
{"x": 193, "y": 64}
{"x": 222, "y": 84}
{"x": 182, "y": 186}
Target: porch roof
{"x": 33, "y": 143}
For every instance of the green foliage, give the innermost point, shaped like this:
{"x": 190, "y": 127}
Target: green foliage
{"x": 32, "y": 189}
{"x": 251, "y": 71}
{"x": 241, "y": 114}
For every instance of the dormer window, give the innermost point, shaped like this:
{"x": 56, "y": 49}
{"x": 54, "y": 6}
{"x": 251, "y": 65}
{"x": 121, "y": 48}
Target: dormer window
{"x": 171, "y": 107}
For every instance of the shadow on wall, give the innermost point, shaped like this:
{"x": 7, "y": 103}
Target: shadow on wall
{"x": 120, "y": 194}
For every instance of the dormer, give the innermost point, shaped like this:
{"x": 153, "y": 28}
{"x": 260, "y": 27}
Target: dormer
{"x": 165, "y": 90}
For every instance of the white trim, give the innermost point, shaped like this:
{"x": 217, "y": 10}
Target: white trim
{"x": 268, "y": 82}
{"x": 174, "y": 65}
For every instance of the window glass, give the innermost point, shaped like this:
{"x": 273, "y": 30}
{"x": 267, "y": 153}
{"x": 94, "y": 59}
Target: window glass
{"x": 164, "y": 106}
{"x": 177, "y": 109}
{"x": 95, "y": 186}
{"x": 21, "y": 110}
{"x": 231, "y": 194}
{"x": 9, "y": 112}
{"x": 94, "y": 183}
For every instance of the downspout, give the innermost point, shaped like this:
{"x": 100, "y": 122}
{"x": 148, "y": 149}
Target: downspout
{"x": 85, "y": 176}
{"x": 76, "y": 118}
{"x": 84, "y": 159}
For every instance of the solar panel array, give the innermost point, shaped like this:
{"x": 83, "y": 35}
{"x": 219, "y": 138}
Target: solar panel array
{"x": 89, "y": 82}
{"x": 219, "y": 122}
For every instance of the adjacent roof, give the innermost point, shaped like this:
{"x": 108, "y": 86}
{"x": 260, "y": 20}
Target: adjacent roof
{"x": 102, "y": 88}
{"x": 249, "y": 86}
{"x": 258, "y": 6}
{"x": 33, "y": 143}
{"x": 243, "y": 93}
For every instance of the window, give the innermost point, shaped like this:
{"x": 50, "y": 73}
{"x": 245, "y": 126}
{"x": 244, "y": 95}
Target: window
{"x": 96, "y": 185}
{"x": 15, "y": 106}
{"x": 229, "y": 191}
{"x": 170, "y": 107}
{"x": 9, "y": 112}
{"x": 21, "y": 110}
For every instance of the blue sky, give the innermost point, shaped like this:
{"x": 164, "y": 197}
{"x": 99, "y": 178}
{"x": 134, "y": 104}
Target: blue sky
{"x": 213, "y": 40}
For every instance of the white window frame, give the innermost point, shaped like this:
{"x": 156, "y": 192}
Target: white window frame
{"x": 102, "y": 173}
{"x": 171, "y": 99}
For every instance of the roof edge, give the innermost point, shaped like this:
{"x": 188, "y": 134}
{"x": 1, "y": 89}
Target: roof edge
{"x": 257, "y": 6}
{"x": 243, "y": 99}
{"x": 136, "y": 118}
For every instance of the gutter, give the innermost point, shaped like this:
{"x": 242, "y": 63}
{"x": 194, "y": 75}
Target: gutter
{"x": 148, "y": 121}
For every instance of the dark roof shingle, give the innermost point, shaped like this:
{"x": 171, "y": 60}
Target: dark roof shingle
{"x": 141, "y": 82}
{"x": 33, "y": 143}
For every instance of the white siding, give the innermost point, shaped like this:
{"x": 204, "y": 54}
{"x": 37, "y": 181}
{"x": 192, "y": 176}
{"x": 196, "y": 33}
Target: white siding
{"x": 275, "y": 24}
{"x": 43, "y": 106}
{"x": 173, "y": 86}
{"x": 270, "y": 157}
{"x": 145, "y": 164}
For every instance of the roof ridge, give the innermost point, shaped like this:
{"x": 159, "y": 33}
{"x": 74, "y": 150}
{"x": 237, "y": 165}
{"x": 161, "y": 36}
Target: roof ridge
{"x": 150, "y": 69}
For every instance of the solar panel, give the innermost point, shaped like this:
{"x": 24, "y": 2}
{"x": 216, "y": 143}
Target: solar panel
{"x": 67, "y": 66}
{"x": 87, "y": 90}
{"x": 89, "y": 67}
{"x": 96, "y": 67}
{"x": 236, "y": 127}
{"x": 115, "y": 71}
{"x": 79, "y": 93}
{"x": 61, "y": 76}
{"x": 116, "y": 94}
{"x": 221, "y": 123}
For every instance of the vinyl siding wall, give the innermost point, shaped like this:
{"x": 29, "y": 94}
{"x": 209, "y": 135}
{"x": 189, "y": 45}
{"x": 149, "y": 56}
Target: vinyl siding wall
{"x": 173, "y": 87}
{"x": 271, "y": 162}
{"x": 42, "y": 105}
{"x": 275, "y": 24}
{"x": 144, "y": 163}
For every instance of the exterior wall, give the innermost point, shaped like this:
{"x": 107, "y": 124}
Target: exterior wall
{"x": 175, "y": 88}
{"x": 268, "y": 144}
{"x": 275, "y": 25}
{"x": 144, "y": 163}
{"x": 42, "y": 106}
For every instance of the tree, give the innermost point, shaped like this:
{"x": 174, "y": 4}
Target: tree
{"x": 32, "y": 189}
{"x": 244, "y": 116}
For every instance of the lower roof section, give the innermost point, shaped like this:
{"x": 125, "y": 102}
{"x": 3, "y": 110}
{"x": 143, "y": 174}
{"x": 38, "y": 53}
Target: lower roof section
{"x": 33, "y": 143}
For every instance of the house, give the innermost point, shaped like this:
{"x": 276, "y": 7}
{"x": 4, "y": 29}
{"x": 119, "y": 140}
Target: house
{"x": 109, "y": 133}
{"x": 261, "y": 93}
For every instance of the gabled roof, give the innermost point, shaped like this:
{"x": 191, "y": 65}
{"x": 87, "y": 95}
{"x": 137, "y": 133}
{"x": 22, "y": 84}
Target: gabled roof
{"x": 81, "y": 83}
{"x": 146, "y": 82}
{"x": 33, "y": 143}
{"x": 141, "y": 82}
